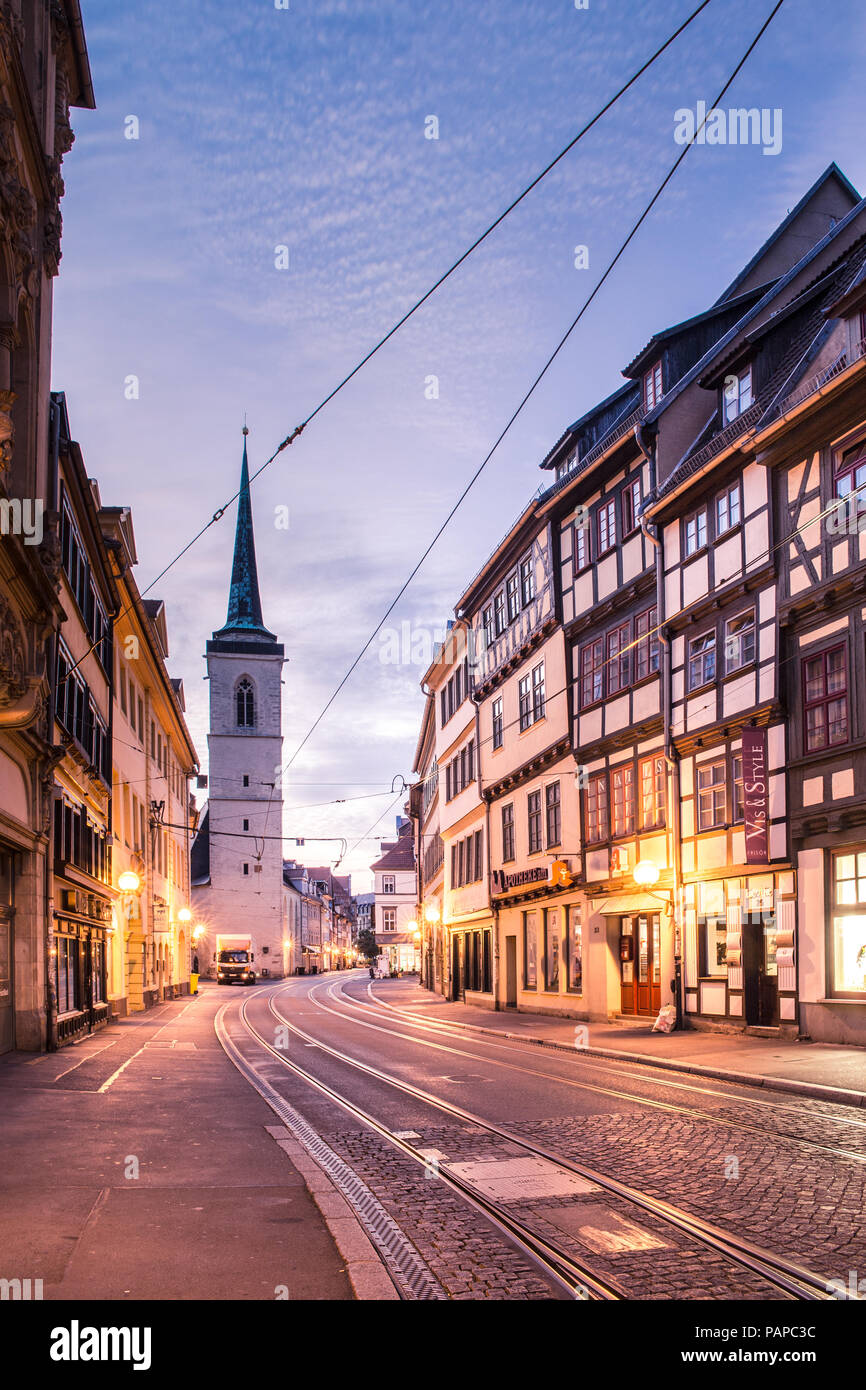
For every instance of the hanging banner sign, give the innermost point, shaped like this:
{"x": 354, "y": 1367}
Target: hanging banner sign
{"x": 756, "y": 789}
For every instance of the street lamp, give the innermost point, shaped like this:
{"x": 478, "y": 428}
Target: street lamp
{"x": 432, "y": 914}
{"x": 129, "y": 881}
{"x": 184, "y": 915}
{"x": 646, "y": 873}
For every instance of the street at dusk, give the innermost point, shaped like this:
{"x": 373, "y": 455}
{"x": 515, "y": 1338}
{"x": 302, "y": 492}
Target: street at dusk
{"x": 432, "y": 658}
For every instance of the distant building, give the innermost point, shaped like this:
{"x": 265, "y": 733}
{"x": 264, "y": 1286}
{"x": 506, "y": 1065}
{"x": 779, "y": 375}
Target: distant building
{"x": 396, "y": 898}
{"x": 237, "y": 855}
{"x": 153, "y": 814}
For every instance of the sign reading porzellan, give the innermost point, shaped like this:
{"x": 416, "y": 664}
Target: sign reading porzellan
{"x": 755, "y": 795}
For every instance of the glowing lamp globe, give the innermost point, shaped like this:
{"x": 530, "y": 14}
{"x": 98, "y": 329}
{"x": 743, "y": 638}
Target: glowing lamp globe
{"x": 646, "y": 873}
{"x": 129, "y": 882}
{"x": 431, "y": 913}
{"x": 184, "y": 915}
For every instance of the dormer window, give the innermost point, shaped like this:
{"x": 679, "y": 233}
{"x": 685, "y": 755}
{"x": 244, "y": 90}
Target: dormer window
{"x": 737, "y": 394}
{"x": 567, "y": 466}
{"x": 652, "y": 386}
{"x": 245, "y": 703}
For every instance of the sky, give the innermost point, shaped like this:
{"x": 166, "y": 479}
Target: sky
{"x": 282, "y": 206}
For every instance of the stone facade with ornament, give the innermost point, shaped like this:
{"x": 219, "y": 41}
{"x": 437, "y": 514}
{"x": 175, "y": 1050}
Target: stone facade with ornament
{"x": 43, "y": 72}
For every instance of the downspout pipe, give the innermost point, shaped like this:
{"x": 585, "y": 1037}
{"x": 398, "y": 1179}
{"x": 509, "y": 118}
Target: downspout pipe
{"x": 646, "y": 442}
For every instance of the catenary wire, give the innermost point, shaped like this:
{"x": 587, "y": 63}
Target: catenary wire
{"x": 551, "y": 359}
{"x": 220, "y": 512}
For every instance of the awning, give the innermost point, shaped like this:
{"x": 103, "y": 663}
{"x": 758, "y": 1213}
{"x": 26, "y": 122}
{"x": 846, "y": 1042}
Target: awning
{"x": 626, "y": 904}
{"x": 313, "y": 950}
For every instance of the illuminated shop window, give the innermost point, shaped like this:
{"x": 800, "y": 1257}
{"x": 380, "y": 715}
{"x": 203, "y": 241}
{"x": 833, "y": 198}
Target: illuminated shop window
{"x": 849, "y": 922}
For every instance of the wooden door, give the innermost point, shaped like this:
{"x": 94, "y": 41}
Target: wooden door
{"x": 511, "y": 972}
{"x": 627, "y": 964}
{"x": 647, "y": 964}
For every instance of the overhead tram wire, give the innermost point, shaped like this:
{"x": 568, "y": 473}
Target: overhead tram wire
{"x": 539, "y": 378}
{"x": 479, "y": 240}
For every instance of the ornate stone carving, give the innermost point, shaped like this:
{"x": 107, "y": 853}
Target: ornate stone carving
{"x": 13, "y": 658}
{"x": 7, "y": 430}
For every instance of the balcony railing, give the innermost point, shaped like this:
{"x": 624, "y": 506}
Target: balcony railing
{"x": 816, "y": 383}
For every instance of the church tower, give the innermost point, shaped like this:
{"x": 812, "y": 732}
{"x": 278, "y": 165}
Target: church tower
{"x": 237, "y": 866}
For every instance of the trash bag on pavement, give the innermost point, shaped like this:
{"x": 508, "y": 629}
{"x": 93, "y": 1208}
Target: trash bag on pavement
{"x": 667, "y": 1019}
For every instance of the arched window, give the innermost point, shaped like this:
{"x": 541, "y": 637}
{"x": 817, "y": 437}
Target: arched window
{"x": 246, "y": 708}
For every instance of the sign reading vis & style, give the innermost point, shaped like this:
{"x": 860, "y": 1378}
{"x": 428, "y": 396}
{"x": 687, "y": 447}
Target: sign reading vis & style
{"x": 755, "y": 795}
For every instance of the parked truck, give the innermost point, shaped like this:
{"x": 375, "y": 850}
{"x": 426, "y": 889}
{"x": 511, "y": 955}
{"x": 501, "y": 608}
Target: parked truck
{"x": 235, "y": 960}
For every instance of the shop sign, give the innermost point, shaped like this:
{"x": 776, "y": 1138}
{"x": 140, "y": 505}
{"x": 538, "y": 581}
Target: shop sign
{"x": 755, "y": 795}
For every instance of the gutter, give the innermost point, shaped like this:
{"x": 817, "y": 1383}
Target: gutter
{"x": 672, "y": 818}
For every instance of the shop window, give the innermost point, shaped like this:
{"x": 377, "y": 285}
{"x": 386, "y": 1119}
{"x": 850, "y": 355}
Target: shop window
{"x": 574, "y": 949}
{"x": 552, "y": 948}
{"x": 712, "y": 929}
{"x": 99, "y": 979}
{"x": 849, "y": 922}
{"x": 825, "y": 699}
{"x": 487, "y": 963}
{"x": 66, "y": 974}
{"x": 530, "y": 950}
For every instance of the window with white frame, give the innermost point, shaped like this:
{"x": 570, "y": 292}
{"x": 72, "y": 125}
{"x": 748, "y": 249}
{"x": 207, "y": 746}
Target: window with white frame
{"x": 496, "y": 712}
{"x": 652, "y": 386}
{"x": 606, "y": 526}
{"x": 728, "y": 509}
{"x": 388, "y": 883}
{"x": 702, "y": 660}
{"x": 739, "y": 641}
{"x": 711, "y": 794}
{"x": 389, "y": 919}
{"x": 737, "y": 394}
{"x": 695, "y": 532}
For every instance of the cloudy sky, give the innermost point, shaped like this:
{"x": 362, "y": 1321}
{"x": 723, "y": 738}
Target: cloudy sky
{"x": 304, "y": 128}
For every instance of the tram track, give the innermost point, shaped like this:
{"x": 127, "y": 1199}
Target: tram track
{"x": 577, "y": 1279}
{"x": 689, "y": 1112}
{"x": 780, "y": 1274}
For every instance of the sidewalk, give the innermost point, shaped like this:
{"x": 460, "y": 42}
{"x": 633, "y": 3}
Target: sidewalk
{"x": 820, "y": 1070}
{"x": 138, "y": 1164}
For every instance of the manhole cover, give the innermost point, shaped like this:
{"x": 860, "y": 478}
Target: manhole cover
{"x": 516, "y": 1179}
{"x": 601, "y": 1230}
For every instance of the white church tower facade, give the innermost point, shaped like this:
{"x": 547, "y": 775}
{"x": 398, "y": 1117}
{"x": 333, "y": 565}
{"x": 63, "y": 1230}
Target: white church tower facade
{"x": 237, "y": 866}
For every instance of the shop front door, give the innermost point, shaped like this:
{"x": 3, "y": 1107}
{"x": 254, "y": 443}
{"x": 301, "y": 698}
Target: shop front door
{"x": 511, "y": 972}
{"x": 760, "y": 971}
{"x": 7, "y": 1031}
{"x": 640, "y": 964}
